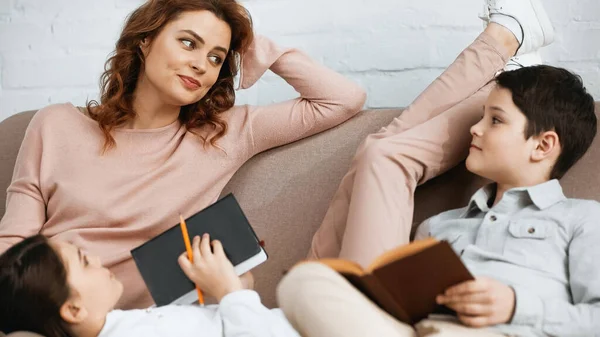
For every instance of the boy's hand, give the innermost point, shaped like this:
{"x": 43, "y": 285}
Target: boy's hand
{"x": 211, "y": 271}
{"x": 479, "y": 303}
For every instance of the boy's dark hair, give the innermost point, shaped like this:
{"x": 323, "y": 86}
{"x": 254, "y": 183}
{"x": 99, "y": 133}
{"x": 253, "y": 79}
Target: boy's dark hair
{"x": 33, "y": 287}
{"x": 554, "y": 99}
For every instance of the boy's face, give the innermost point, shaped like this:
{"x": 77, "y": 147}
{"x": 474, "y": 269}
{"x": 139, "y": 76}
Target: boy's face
{"x": 499, "y": 150}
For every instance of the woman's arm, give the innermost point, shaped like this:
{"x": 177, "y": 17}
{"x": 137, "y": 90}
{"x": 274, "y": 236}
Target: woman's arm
{"x": 25, "y": 208}
{"x": 326, "y": 97}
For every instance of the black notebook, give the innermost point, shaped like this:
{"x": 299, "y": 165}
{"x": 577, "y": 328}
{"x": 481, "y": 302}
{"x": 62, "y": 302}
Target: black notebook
{"x": 224, "y": 221}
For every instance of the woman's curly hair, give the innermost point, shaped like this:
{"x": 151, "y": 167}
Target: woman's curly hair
{"x": 123, "y": 68}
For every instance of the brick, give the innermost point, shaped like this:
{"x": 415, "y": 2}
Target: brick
{"x": 367, "y": 52}
{"x": 52, "y": 10}
{"x": 397, "y": 89}
{"x": 273, "y": 90}
{"x": 6, "y": 7}
{"x": 578, "y": 43}
{"x": 585, "y": 10}
{"x": 405, "y": 50}
{"x": 15, "y": 101}
{"x": 42, "y": 72}
{"x": 34, "y": 8}
{"x": 76, "y": 95}
{"x": 296, "y": 16}
{"x": 407, "y": 13}
{"x": 316, "y": 16}
{"x": 100, "y": 34}
{"x": 559, "y": 11}
{"x": 54, "y": 50}
{"x": 129, "y": 4}
{"x": 248, "y": 96}
{"x": 589, "y": 72}
{"x": 22, "y": 37}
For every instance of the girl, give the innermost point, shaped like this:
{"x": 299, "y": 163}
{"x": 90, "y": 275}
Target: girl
{"x": 56, "y": 289}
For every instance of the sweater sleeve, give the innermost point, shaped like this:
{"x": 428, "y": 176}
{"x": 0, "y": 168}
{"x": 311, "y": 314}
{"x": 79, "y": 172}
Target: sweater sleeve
{"x": 25, "y": 207}
{"x": 326, "y": 97}
{"x": 244, "y": 315}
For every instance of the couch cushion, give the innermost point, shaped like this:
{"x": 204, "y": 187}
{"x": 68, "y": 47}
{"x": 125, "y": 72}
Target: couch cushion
{"x": 12, "y": 131}
{"x": 21, "y": 334}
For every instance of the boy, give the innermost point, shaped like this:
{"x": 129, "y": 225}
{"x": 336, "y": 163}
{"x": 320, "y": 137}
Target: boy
{"x": 533, "y": 251}
{"x": 533, "y": 248}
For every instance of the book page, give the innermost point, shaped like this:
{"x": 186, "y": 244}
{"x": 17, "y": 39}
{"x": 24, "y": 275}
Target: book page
{"x": 401, "y": 252}
{"x": 343, "y": 266}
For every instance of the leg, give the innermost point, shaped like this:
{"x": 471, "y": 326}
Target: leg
{"x": 319, "y": 302}
{"x": 389, "y": 170}
{"x": 472, "y": 70}
{"x": 474, "y": 67}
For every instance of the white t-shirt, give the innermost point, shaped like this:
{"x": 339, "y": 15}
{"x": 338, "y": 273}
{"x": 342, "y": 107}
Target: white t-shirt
{"x": 239, "y": 314}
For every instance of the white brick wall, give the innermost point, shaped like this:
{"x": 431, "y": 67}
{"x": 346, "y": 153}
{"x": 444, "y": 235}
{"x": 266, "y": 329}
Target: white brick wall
{"x": 54, "y": 50}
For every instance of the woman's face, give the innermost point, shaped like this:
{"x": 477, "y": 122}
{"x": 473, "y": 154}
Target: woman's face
{"x": 93, "y": 287}
{"x": 184, "y": 60}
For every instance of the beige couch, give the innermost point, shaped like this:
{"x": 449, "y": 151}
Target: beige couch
{"x": 285, "y": 191}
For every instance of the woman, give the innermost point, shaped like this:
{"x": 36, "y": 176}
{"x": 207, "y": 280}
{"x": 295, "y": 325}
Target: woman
{"x": 166, "y": 136}
{"x": 75, "y": 296}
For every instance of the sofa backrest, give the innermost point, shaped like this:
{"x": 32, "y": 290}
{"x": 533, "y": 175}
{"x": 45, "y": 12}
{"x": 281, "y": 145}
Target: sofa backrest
{"x": 286, "y": 191}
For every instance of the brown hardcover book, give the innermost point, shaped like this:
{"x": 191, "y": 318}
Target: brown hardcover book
{"x": 405, "y": 281}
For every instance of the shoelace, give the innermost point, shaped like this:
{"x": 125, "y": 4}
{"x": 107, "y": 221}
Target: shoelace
{"x": 489, "y": 7}
{"x": 514, "y": 61}
{"x": 493, "y": 6}
{"x": 485, "y": 14}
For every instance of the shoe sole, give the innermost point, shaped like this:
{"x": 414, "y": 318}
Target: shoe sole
{"x": 544, "y": 21}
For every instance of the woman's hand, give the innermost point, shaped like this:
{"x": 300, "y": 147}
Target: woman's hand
{"x": 211, "y": 271}
{"x": 481, "y": 302}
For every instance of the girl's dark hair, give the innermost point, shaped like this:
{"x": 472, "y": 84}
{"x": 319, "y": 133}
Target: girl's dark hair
{"x": 123, "y": 68}
{"x": 33, "y": 287}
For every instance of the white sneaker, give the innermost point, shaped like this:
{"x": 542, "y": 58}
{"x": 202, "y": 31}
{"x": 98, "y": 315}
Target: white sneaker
{"x": 536, "y": 28}
{"x": 515, "y": 62}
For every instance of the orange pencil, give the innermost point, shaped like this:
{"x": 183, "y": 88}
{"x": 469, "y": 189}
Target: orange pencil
{"x": 188, "y": 248}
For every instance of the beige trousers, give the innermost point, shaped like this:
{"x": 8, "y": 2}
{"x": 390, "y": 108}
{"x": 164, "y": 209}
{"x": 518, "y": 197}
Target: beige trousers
{"x": 372, "y": 210}
{"x": 319, "y": 302}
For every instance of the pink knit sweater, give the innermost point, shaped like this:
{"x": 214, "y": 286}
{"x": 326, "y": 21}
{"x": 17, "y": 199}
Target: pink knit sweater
{"x": 64, "y": 188}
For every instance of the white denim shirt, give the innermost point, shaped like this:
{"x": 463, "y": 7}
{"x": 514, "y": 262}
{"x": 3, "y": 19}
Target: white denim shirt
{"x": 542, "y": 244}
